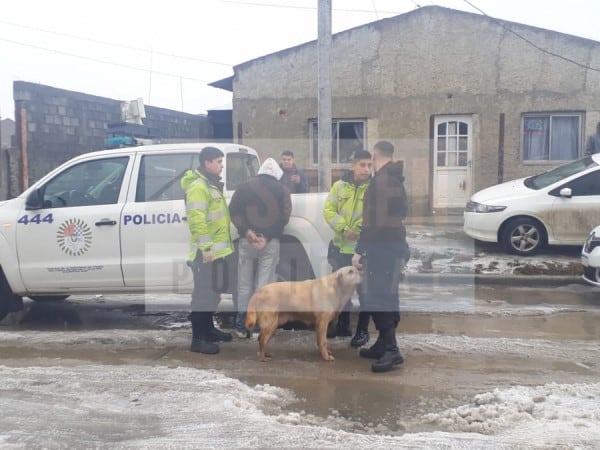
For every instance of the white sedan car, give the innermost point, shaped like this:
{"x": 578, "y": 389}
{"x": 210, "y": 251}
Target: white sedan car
{"x": 558, "y": 207}
{"x": 590, "y": 257}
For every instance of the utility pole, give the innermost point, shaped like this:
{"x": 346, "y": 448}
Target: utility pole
{"x": 324, "y": 95}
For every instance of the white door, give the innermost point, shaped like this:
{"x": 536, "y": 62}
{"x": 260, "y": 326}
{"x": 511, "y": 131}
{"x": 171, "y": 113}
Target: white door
{"x": 73, "y": 241}
{"x": 452, "y": 161}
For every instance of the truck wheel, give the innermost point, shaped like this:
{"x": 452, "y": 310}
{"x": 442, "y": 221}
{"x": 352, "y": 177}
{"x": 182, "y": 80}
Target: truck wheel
{"x": 48, "y": 298}
{"x": 523, "y": 236}
{"x": 294, "y": 264}
{"x": 9, "y": 302}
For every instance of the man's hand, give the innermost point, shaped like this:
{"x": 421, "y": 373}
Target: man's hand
{"x": 207, "y": 256}
{"x": 295, "y": 179}
{"x": 356, "y": 261}
{"x": 258, "y": 241}
{"x": 351, "y": 235}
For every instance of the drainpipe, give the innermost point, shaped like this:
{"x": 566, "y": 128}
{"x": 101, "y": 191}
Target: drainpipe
{"x": 501, "y": 149}
{"x": 23, "y": 143}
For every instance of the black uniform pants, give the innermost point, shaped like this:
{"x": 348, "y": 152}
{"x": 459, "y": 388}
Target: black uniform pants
{"x": 210, "y": 280}
{"x": 382, "y": 272}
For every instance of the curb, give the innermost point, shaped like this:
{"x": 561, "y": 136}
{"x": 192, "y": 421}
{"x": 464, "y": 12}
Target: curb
{"x": 501, "y": 280}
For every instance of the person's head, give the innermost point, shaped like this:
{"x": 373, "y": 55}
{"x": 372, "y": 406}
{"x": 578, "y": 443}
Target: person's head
{"x": 361, "y": 165}
{"x": 270, "y": 167}
{"x": 287, "y": 159}
{"x": 383, "y": 152}
{"x": 211, "y": 160}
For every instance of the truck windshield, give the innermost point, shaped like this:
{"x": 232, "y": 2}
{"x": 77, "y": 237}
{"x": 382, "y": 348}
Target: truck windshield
{"x": 559, "y": 173}
{"x": 240, "y": 167}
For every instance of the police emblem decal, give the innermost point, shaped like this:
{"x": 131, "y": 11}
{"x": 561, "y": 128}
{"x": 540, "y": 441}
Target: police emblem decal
{"x": 74, "y": 237}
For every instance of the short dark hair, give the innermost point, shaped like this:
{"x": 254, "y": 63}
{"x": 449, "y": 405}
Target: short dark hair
{"x": 209, "y": 154}
{"x": 287, "y": 153}
{"x": 386, "y": 148}
{"x": 361, "y": 154}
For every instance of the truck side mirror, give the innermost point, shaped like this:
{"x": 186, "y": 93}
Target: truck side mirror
{"x": 35, "y": 200}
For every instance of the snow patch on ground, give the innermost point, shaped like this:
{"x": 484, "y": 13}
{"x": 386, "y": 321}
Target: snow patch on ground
{"x": 552, "y": 414}
{"x": 588, "y": 352}
{"x": 451, "y": 251}
{"x": 143, "y": 406}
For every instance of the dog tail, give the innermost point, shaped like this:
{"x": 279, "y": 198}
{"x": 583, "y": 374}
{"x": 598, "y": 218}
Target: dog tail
{"x": 251, "y": 315}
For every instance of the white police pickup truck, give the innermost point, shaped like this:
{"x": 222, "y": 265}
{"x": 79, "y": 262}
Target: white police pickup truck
{"x": 114, "y": 221}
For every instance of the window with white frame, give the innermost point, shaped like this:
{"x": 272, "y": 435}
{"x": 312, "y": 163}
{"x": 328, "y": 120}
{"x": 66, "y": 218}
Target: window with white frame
{"x": 348, "y": 136}
{"x": 552, "y": 136}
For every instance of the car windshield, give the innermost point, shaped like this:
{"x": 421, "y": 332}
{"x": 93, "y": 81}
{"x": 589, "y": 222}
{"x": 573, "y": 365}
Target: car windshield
{"x": 559, "y": 173}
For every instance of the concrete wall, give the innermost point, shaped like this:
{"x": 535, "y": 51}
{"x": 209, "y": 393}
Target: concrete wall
{"x": 400, "y": 72}
{"x": 62, "y": 124}
{"x": 7, "y": 130}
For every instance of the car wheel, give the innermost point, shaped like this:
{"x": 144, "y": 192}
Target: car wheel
{"x": 592, "y": 274}
{"x": 48, "y": 298}
{"x": 9, "y": 302}
{"x": 523, "y": 236}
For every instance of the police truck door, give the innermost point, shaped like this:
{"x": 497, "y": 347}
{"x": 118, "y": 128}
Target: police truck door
{"x": 73, "y": 241}
{"x": 155, "y": 234}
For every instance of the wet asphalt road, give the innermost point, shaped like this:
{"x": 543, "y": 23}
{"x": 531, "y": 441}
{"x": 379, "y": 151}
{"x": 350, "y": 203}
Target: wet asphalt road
{"x": 458, "y": 340}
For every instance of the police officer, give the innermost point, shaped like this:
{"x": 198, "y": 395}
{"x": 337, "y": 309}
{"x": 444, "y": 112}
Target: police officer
{"x": 210, "y": 242}
{"x": 343, "y": 212}
{"x": 383, "y": 251}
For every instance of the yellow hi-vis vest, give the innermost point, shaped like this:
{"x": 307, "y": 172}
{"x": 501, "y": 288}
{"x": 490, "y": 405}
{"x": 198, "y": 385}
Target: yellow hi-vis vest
{"x": 343, "y": 211}
{"x": 207, "y": 216}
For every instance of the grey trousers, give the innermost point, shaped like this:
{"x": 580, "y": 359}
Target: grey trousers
{"x": 256, "y": 268}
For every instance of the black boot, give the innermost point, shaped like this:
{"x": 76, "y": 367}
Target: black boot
{"x": 199, "y": 329}
{"x": 360, "y": 338}
{"x": 214, "y": 334}
{"x": 391, "y": 356}
{"x": 375, "y": 351}
{"x": 362, "y": 334}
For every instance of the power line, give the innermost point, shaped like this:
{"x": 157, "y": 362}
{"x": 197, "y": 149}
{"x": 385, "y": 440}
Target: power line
{"x": 102, "y": 61}
{"x": 113, "y": 44}
{"x": 375, "y": 9}
{"x": 279, "y": 5}
{"x": 533, "y": 44}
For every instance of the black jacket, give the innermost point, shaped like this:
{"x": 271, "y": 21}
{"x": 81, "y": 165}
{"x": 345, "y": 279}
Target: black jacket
{"x": 261, "y": 204}
{"x": 384, "y": 209}
{"x": 286, "y": 179}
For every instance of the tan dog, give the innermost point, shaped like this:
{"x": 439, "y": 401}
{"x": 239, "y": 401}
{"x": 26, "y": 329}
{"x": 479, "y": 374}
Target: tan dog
{"x": 311, "y": 301}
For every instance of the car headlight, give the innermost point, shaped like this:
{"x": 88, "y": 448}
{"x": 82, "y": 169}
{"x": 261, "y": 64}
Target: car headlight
{"x": 481, "y": 208}
{"x": 591, "y": 242}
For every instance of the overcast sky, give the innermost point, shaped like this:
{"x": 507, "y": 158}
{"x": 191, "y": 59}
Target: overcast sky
{"x": 167, "y": 52}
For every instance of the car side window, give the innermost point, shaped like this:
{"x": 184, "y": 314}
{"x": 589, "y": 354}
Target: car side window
{"x": 96, "y": 182}
{"x": 585, "y": 185}
{"x": 160, "y": 175}
{"x": 240, "y": 167}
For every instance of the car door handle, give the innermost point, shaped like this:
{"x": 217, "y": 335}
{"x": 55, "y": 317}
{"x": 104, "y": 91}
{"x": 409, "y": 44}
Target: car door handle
{"x": 106, "y": 222}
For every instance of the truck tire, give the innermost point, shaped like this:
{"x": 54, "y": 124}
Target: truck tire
{"x": 294, "y": 264}
{"x": 9, "y": 302}
{"x": 48, "y": 298}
